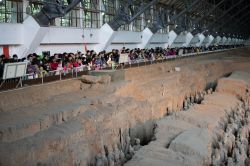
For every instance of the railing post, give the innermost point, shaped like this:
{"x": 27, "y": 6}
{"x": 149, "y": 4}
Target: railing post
{"x": 76, "y": 72}
{"x": 60, "y": 73}
{"x": 21, "y": 81}
{"x": 42, "y": 77}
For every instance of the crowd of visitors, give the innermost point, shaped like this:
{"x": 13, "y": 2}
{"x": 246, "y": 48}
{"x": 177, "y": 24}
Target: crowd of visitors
{"x": 42, "y": 65}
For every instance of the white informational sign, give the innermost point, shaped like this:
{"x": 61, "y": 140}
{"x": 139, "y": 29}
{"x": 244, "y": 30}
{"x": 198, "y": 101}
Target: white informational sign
{"x": 14, "y": 70}
{"x": 180, "y": 53}
{"x": 124, "y": 58}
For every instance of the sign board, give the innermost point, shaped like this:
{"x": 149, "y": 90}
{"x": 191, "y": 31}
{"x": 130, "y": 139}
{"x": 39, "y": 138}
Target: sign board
{"x": 124, "y": 58}
{"x": 14, "y": 70}
{"x": 180, "y": 53}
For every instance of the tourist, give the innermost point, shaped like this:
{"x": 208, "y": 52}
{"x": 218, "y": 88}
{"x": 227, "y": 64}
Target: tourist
{"x": 39, "y": 66}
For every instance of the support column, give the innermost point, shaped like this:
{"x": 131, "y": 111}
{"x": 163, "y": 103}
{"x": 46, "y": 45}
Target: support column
{"x": 6, "y": 51}
{"x": 242, "y": 41}
{"x": 247, "y": 42}
{"x": 25, "y": 5}
{"x": 189, "y": 37}
{"x": 234, "y": 41}
{"x": 81, "y": 16}
{"x": 57, "y": 21}
{"x": 197, "y": 40}
{"x": 146, "y": 37}
{"x": 208, "y": 41}
{"x": 228, "y": 42}
{"x": 171, "y": 38}
{"x": 33, "y": 35}
{"x": 183, "y": 39}
{"x": 223, "y": 41}
{"x": 217, "y": 40}
{"x": 106, "y": 35}
{"x": 101, "y": 13}
{"x": 168, "y": 27}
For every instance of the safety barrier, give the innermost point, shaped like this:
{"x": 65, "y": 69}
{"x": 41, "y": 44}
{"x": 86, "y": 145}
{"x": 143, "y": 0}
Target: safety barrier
{"x": 144, "y": 62}
{"x": 61, "y": 72}
{"x": 57, "y": 75}
{"x": 45, "y": 77}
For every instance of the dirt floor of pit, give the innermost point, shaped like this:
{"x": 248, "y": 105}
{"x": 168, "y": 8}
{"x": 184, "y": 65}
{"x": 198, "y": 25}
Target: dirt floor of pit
{"x": 186, "y": 137}
{"x": 69, "y": 122}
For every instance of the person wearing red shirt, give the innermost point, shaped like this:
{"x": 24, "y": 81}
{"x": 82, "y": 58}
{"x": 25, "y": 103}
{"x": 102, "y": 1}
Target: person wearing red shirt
{"x": 69, "y": 65}
{"x": 54, "y": 64}
{"x": 75, "y": 63}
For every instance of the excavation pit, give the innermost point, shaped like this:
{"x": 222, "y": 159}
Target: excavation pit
{"x": 70, "y": 122}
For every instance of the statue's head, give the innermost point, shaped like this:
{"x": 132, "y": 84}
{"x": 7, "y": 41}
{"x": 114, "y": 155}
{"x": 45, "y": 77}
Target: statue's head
{"x": 127, "y": 139}
{"x": 137, "y": 141}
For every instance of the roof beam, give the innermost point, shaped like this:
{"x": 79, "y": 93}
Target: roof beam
{"x": 224, "y": 13}
{"x": 240, "y": 21}
{"x": 52, "y": 10}
{"x": 232, "y": 17}
{"x": 208, "y": 13}
{"x": 187, "y": 9}
{"x": 244, "y": 25}
{"x": 124, "y": 15}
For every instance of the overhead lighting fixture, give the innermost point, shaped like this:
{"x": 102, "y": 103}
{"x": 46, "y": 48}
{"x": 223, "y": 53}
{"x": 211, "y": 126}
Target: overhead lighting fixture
{"x": 102, "y": 12}
{"x": 1, "y": 0}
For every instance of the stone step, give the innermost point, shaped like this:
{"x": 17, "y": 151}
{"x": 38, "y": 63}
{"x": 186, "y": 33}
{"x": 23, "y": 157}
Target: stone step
{"x": 74, "y": 156}
{"x": 46, "y": 146}
{"x": 18, "y": 125}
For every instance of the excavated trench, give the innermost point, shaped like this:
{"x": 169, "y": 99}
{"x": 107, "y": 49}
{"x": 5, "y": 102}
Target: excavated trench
{"x": 146, "y": 131}
{"x": 232, "y": 137}
{"x": 227, "y": 143}
{"x": 112, "y": 122}
{"x": 130, "y": 141}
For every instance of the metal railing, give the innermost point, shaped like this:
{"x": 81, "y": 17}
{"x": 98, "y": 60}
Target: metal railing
{"x": 62, "y": 74}
{"x": 144, "y": 62}
{"x": 43, "y": 77}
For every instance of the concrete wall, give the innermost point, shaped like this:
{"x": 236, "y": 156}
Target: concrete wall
{"x": 21, "y": 38}
{"x": 247, "y": 42}
{"x": 11, "y": 34}
{"x": 70, "y": 39}
{"x": 126, "y": 39}
{"x": 61, "y": 35}
{"x": 208, "y": 40}
{"x": 182, "y": 40}
{"x": 217, "y": 40}
{"x": 197, "y": 40}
